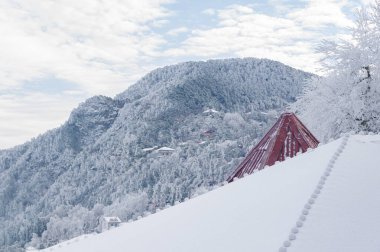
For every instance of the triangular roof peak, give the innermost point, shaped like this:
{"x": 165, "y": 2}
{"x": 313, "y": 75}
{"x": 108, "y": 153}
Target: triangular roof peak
{"x": 286, "y": 138}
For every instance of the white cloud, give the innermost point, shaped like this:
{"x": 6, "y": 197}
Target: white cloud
{"x": 209, "y": 11}
{"x": 281, "y": 6}
{"x": 97, "y": 44}
{"x": 176, "y": 31}
{"x": 289, "y": 38}
{"x": 319, "y": 13}
{"x": 102, "y": 46}
{"x": 24, "y": 116}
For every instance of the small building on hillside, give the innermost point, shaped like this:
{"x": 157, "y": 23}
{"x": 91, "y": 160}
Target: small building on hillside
{"x": 150, "y": 149}
{"x": 110, "y": 222}
{"x": 210, "y": 112}
{"x": 202, "y": 142}
{"x": 164, "y": 151}
{"x": 286, "y": 138}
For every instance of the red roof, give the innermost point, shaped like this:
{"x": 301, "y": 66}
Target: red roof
{"x": 285, "y": 139}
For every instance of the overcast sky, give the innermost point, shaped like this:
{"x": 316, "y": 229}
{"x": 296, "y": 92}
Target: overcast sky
{"x": 56, "y": 53}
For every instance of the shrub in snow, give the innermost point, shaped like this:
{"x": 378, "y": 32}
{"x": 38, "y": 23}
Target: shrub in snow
{"x": 215, "y": 186}
{"x": 147, "y": 214}
{"x": 29, "y": 249}
{"x": 194, "y": 195}
{"x": 235, "y": 121}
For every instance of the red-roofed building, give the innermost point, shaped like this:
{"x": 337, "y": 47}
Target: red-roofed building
{"x": 285, "y": 139}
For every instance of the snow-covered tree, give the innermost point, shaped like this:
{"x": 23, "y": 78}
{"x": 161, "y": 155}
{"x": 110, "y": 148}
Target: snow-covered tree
{"x": 347, "y": 99}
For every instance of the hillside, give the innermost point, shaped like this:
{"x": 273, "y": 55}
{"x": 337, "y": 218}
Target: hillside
{"x": 301, "y": 204}
{"x": 59, "y": 184}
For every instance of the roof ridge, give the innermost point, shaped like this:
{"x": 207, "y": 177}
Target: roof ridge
{"x": 277, "y": 144}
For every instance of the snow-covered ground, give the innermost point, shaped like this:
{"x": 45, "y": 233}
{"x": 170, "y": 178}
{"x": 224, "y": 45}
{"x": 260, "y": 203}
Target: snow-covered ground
{"x": 331, "y": 193}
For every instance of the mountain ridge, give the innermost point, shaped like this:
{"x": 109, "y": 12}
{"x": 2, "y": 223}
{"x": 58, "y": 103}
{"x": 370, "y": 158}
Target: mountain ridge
{"x": 94, "y": 164}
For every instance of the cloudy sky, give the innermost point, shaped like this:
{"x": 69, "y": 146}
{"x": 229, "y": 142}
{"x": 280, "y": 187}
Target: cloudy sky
{"x": 56, "y": 53}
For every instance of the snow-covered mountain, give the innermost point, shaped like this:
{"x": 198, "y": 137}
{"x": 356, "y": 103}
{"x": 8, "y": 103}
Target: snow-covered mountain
{"x": 325, "y": 200}
{"x": 104, "y": 159}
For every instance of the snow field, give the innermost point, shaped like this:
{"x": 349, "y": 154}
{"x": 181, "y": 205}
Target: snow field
{"x": 305, "y": 212}
{"x": 345, "y": 216}
{"x": 254, "y": 213}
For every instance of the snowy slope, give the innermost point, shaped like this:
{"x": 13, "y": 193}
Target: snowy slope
{"x": 258, "y": 212}
{"x": 346, "y": 216}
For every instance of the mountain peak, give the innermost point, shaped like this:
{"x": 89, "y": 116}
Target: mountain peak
{"x": 95, "y": 164}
